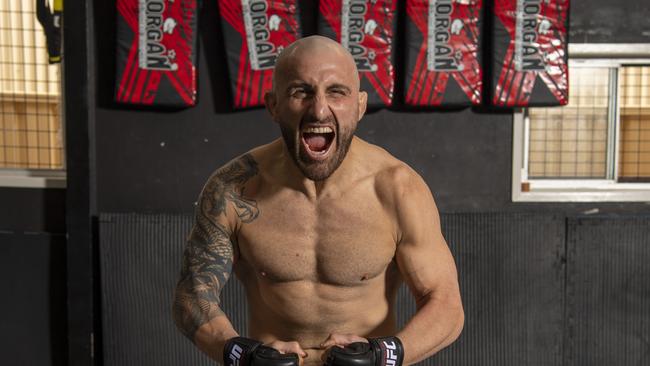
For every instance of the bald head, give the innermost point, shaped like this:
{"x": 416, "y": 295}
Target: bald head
{"x": 317, "y": 103}
{"x": 312, "y": 49}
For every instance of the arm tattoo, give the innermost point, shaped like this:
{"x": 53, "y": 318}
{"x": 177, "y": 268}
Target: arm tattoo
{"x": 208, "y": 256}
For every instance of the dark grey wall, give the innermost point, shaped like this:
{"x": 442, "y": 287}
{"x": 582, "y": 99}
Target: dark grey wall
{"x": 32, "y": 277}
{"x": 149, "y": 160}
{"x": 33, "y": 306}
{"x": 153, "y": 161}
{"x": 606, "y": 21}
{"x": 32, "y": 210}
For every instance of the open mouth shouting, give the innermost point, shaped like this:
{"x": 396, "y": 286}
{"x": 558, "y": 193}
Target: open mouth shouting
{"x": 317, "y": 141}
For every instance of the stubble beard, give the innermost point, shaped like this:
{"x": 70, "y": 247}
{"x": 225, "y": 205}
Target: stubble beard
{"x": 317, "y": 170}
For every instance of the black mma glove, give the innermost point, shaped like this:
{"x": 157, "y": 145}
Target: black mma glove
{"x": 240, "y": 351}
{"x": 386, "y": 351}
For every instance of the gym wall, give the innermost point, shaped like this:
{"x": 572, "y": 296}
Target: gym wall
{"x": 525, "y": 281}
{"x": 543, "y": 284}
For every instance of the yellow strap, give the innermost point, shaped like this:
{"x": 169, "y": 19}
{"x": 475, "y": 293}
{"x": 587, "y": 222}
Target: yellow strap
{"x": 58, "y": 5}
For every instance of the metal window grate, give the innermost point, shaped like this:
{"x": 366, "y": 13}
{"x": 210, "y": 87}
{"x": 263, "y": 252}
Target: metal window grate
{"x": 571, "y": 142}
{"x": 634, "y": 141}
{"x": 31, "y": 132}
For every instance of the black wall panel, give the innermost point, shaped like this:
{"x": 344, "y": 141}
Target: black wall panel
{"x": 537, "y": 290}
{"x": 608, "y": 307}
{"x": 33, "y": 306}
{"x": 511, "y": 273}
{"x": 32, "y": 209}
{"x": 140, "y": 261}
{"x": 512, "y": 270}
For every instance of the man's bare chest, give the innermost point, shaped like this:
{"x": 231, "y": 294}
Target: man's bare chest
{"x": 343, "y": 241}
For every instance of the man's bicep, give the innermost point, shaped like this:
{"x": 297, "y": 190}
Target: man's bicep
{"x": 423, "y": 257}
{"x": 208, "y": 257}
{"x": 428, "y": 269}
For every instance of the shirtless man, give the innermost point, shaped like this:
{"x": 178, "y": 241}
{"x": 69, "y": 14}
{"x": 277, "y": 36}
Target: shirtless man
{"x": 320, "y": 227}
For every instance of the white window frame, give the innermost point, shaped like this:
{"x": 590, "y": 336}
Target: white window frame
{"x": 581, "y": 190}
{"x": 32, "y": 178}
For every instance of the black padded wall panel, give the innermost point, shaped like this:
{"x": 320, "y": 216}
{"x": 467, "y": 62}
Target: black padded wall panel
{"x": 511, "y": 275}
{"x": 511, "y": 269}
{"x": 608, "y": 299}
{"x": 140, "y": 262}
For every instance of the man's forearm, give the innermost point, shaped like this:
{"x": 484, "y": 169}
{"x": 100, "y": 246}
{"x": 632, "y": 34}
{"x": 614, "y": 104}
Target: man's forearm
{"x": 212, "y": 336}
{"x": 436, "y": 324}
{"x": 199, "y": 317}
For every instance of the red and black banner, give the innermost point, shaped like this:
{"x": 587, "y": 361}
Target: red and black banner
{"x": 156, "y": 52}
{"x": 255, "y": 32}
{"x": 366, "y": 29}
{"x": 530, "y": 53}
{"x": 443, "y": 52}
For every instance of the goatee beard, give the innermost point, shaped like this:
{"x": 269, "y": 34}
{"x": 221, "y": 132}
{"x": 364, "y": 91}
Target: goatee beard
{"x": 317, "y": 170}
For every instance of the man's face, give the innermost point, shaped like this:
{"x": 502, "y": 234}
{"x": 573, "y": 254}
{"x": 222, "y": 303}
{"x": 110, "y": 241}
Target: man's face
{"x": 317, "y": 105}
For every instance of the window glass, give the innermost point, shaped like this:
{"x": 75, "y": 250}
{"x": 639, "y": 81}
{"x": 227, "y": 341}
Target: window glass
{"x": 571, "y": 141}
{"x": 31, "y": 132}
{"x": 634, "y": 141}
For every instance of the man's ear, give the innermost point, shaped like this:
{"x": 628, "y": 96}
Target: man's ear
{"x": 271, "y": 102}
{"x": 363, "y": 103}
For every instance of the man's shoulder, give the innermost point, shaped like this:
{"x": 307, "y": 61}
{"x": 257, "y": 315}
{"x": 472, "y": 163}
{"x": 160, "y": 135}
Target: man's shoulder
{"x": 237, "y": 171}
{"x": 242, "y": 168}
{"x": 392, "y": 176}
{"x": 387, "y": 168}
{"x": 397, "y": 178}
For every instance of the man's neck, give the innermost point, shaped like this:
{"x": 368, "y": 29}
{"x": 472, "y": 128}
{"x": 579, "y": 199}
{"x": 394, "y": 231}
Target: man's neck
{"x": 314, "y": 190}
